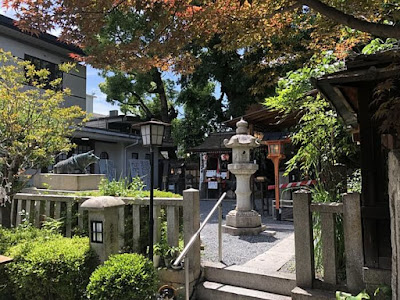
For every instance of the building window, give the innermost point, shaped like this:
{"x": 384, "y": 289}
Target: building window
{"x": 147, "y": 156}
{"x": 97, "y": 231}
{"x": 82, "y": 149}
{"x": 51, "y": 67}
{"x": 135, "y": 155}
{"x": 104, "y": 155}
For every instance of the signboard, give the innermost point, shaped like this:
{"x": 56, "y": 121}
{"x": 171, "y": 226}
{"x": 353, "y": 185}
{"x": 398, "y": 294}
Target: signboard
{"x": 211, "y": 173}
{"x": 213, "y": 185}
{"x": 141, "y": 168}
{"x": 107, "y": 167}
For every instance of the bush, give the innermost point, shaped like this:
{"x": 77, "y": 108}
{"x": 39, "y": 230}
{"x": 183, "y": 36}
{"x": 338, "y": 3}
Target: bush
{"x": 58, "y": 268}
{"x": 123, "y": 276}
{"x": 22, "y": 234}
{"x": 124, "y": 188}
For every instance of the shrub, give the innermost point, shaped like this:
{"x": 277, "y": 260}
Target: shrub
{"x": 124, "y": 188}
{"x": 22, "y": 234}
{"x": 58, "y": 268}
{"x": 123, "y": 276}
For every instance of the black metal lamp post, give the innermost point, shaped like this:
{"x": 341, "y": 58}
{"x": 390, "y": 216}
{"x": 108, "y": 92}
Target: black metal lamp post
{"x": 152, "y": 136}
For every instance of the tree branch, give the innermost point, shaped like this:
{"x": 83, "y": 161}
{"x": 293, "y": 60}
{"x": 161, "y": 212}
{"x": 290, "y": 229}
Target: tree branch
{"x": 380, "y": 30}
{"x": 142, "y": 105}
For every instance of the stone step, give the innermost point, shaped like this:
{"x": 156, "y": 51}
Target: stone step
{"x": 218, "y": 291}
{"x": 250, "y": 278}
{"x": 314, "y": 294}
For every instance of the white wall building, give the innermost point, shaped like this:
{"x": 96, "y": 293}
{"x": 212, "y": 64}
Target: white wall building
{"x": 111, "y": 138}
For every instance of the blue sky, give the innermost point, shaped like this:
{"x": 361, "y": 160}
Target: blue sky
{"x": 100, "y": 105}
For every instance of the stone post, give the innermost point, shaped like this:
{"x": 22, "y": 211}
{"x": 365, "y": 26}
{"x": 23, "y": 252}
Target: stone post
{"x": 303, "y": 239}
{"x": 394, "y": 204}
{"x": 328, "y": 238}
{"x": 353, "y": 242}
{"x": 191, "y": 223}
{"x": 104, "y": 214}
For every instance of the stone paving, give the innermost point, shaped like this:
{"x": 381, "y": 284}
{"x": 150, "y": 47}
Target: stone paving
{"x": 239, "y": 250}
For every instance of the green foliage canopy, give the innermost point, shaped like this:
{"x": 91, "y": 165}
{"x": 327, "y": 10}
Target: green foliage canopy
{"x": 320, "y": 136}
{"x": 33, "y": 124}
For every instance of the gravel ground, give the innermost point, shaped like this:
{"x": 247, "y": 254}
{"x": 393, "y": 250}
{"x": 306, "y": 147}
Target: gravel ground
{"x": 237, "y": 250}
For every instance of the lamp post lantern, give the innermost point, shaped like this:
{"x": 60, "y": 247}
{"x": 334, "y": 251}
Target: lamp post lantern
{"x": 276, "y": 153}
{"x": 152, "y": 136}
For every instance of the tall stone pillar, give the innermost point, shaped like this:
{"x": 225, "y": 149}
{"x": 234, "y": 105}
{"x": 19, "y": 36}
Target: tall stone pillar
{"x": 243, "y": 220}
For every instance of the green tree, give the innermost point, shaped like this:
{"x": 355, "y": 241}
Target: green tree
{"x": 202, "y": 114}
{"x": 33, "y": 124}
{"x": 243, "y": 75}
{"x": 145, "y": 94}
{"x": 320, "y": 136}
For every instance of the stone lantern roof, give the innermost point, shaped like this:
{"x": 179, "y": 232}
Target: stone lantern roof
{"x": 242, "y": 138}
{"x": 102, "y": 202}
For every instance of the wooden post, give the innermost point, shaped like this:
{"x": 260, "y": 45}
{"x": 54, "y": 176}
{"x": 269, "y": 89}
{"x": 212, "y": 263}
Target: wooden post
{"x": 328, "y": 237}
{"x": 353, "y": 242}
{"x": 394, "y": 204}
{"x": 303, "y": 238}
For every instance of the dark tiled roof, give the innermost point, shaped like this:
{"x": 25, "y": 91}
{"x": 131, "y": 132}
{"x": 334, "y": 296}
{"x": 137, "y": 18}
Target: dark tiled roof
{"x": 214, "y": 142}
{"x": 264, "y": 119}
{"x": 9, "y": 23}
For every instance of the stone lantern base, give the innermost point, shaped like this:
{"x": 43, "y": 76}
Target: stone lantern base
{"x": 243, "y": 223}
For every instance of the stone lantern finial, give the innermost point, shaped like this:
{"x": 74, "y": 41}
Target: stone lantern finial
{"x": 241, "y": 127}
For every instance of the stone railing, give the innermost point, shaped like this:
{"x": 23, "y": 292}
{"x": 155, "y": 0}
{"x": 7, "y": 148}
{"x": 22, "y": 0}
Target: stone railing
{"x": 304, "y": 241}
{"x": 37, "y": 207}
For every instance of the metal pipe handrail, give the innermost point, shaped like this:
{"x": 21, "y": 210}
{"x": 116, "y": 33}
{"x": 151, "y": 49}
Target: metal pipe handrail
{"x": 193, "y": 238}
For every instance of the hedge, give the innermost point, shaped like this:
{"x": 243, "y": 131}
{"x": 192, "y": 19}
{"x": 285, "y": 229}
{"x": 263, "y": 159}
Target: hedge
{"x": 58, "y": 268}
{"x": 124, "y": 277}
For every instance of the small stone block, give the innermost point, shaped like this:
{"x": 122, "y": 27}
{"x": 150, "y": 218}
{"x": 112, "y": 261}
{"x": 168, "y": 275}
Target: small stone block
{"x": 268, "y": 233}
{"x": 243, "y": 231}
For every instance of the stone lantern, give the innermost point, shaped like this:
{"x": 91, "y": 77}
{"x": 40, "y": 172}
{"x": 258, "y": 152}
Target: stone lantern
{"x": 243, "y": 220}
{"x": 106, "y": 221}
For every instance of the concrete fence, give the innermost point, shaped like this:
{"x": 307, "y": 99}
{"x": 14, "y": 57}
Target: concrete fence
{"x": 69, "y": 208}
{"x": 304, "y": 241}
{"x": 36, "y": 207}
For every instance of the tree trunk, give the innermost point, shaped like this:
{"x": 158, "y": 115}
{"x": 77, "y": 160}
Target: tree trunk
{"x": 161, "y": 92}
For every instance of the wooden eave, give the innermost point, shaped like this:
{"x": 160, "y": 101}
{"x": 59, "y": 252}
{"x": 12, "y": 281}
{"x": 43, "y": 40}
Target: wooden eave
{"x": 333, "y": 86}
{"x": 266, "y": 120}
